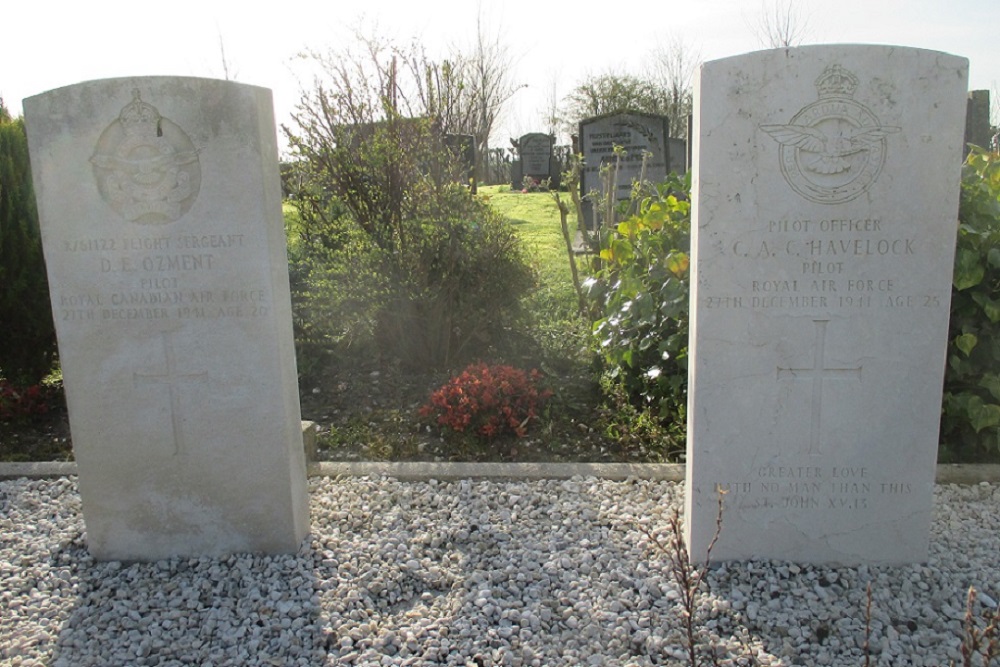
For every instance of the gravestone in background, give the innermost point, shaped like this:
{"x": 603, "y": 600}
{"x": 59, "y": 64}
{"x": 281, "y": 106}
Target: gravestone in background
{"x": 160, "y": 209}
{"x": 977, "y": 119}
{"x": 677, "y": 154}
{"x": 535, "y": 160}
{"x": 826, "y": 183}
{"x": 636, "y": 133}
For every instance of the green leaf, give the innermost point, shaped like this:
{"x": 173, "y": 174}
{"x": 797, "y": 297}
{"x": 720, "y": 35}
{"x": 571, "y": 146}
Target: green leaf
{"x": 655, "y": 216}
{"x": 990, "y": 307}
{"x": 991, "y": 382}
{"x": 993, "y": 257}
{"x": 678, "y": 264}
{"x": 955, "y": 362}
{"x": 986, "y": 416}
{"x": 968, "y": 271}
{"x": 966, "y": 343}
{"x": 627, "y": 227}
{"x": 958, "y": 403}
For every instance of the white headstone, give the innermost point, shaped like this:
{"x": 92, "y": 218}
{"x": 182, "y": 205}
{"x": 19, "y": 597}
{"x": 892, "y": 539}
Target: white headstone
{"x": 160, "y": 208}
{"x": 826, "y": 183}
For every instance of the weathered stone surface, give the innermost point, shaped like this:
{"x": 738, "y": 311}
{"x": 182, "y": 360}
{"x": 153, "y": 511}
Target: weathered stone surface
{"x": 825, "y": 204}
{"x": 977, "y": 119}
{"x": 535, "y": 153}
{"x": 677, "y": 154}
{"x": 636, "y": 133}
{"x": 160, "y": 206}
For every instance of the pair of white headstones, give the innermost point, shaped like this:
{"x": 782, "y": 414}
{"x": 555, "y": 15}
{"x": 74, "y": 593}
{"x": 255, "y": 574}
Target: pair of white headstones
{"x": 825, "y": 197}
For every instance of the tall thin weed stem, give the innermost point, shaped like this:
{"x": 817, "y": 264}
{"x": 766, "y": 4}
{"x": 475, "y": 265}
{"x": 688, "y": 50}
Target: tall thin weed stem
{"x": 980, "y": 642}
{"x": 866, "y": 648}
{"x": 691, "y": 580}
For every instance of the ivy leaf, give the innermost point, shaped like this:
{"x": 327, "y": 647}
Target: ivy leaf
{"x": 968, "y": 271}
{"x": 959, "y": 403}
{"x": 991, "y": 382}
{"x": 989, "y": 306}
{"x": 993, "y": 257}
{"x": 966, "y": 343}
{"x": 985, "y": 416}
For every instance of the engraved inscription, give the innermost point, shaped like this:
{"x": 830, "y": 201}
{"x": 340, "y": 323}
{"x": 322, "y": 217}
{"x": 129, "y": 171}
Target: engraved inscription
{"x": 146, "y": 167}
{"x": 832, "y": 150}
{"x": 802, "y": 264}
{"x": 844, "y": 488}
{"x": 817, "y": 373}
{"x": 171, "y": 378}
{"x": 165, "y": 278}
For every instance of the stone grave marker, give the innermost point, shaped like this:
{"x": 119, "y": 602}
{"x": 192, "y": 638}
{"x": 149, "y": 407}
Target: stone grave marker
{"x": 977, "y": 119}
{"x": 535, "y": 160}
{"x": 677, "y": 154}
{"x": 160, "y": 208}
{"x": 636, "y": 133}
{"x": 820, "y": 300}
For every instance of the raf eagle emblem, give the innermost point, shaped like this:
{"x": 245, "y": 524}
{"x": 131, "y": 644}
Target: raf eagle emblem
{"x": 827, "y": 154}
{"x": 833, "y": 149}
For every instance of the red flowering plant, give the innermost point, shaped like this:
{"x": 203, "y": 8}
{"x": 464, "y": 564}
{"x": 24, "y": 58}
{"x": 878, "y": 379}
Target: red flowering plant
{"x": 488, "y": 401}
{"x": 22, "y": 402}
{"x": 529, "y": 184}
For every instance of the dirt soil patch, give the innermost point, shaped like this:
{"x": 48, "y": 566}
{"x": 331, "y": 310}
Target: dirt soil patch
{"x": 370, "y": 413}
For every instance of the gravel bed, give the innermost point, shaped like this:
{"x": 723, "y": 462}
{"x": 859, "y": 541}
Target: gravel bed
{"x": 475, "y": 573}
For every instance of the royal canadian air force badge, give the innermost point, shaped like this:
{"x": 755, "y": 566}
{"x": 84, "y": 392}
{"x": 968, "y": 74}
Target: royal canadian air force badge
{"x": 146, "y": 167}
{"x": 833, "y": 150}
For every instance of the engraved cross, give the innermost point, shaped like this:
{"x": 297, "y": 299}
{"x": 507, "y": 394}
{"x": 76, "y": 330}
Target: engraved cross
{"x": 817, "y": 373}
{"x": 171, "y": 378}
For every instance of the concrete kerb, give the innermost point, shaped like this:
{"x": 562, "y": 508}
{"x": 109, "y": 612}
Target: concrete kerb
{"x": 671, "y": 472}
{"x": 414, "y": 471}
{"x": 419, "y": 471}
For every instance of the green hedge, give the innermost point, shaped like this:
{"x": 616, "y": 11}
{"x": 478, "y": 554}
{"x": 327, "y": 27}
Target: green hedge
{"x": 970, "y": 425}
{"x": 28, "y": 335}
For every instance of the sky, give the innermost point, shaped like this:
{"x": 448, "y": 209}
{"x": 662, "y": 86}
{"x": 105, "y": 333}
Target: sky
{"x": 554, "y": 46}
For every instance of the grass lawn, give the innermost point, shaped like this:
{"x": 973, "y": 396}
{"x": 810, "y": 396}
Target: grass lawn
{"x": 535, "y": 218}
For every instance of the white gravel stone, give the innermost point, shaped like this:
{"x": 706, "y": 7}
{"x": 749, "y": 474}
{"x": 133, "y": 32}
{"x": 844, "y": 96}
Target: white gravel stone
{"x": 474, "y": 572}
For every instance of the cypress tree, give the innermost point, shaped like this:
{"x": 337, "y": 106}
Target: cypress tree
{"x": 27, "y": 334}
